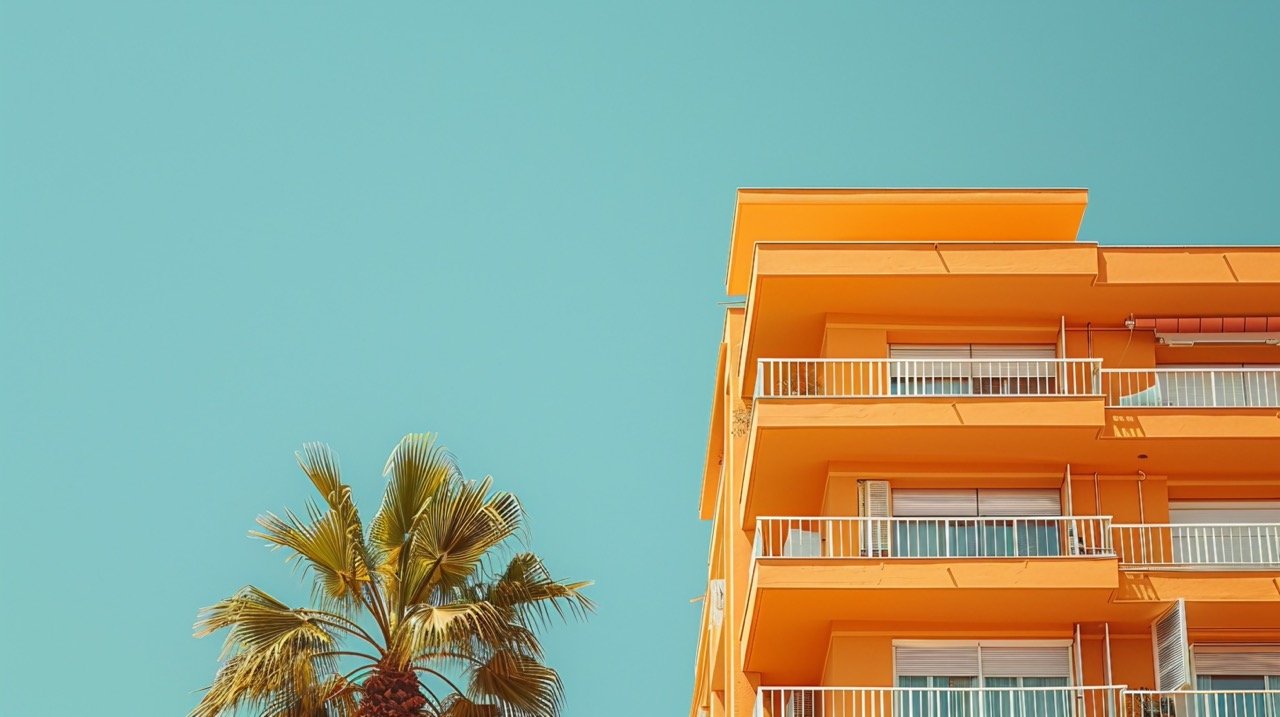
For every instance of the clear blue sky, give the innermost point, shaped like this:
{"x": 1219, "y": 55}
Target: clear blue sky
{"x": 230, "y": 227}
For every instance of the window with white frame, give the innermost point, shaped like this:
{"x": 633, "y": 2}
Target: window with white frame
{"x": 1225, "y": 532}
{"x": 1016, "y": 677}
{"x": 976, "y": 522}
{"x": 1218, "y": 385}
{"x": 973, "y": 369}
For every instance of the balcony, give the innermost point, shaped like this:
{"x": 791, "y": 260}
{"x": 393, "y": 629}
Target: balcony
{"x": 1192, "y": 387}
{"x": 1062, "y": 701}
{"x": 809, "y": 414}
{"x": 915, "y": 378}
{"x": 1202, "y": 703}
{"x": 1109, "y": 701}
{"x": 861, "y": 538}
{"x": 1205, "y": 546}
{"x": 809, "y": 572}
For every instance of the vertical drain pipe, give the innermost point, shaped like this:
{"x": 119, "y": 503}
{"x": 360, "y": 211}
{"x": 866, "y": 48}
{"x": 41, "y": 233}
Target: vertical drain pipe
{"x": 1106, "y": 646}
{"x": 1142, "y": 508}
{"x": 1080, "y": 697}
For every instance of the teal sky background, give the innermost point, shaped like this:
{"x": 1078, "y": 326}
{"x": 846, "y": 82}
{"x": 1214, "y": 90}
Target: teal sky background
{"x": 230, "y": 227}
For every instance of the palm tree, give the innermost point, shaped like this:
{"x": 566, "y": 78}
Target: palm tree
{"x": 431, "y": 611}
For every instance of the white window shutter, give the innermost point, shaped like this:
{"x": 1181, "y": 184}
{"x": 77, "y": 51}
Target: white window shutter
{"x": 935, "y": 503}
{"x": 936, "y": 661}
{"x": 876, "y": 503}
{"x": 1251, "y": 660}
{"x": 1026, "y": 661}
{"x": 927, "y": 352}
{"x": 1014, "y": 351}
{"x": 1019, "y": 503}
{"x": 1169, "y": 635}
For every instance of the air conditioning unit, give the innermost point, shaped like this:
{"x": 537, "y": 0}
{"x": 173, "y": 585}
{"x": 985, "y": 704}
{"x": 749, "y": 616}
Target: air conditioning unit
{"x": 802, "y": 544}
{"x": 716, "y": 595}
{"x": 801, "y": 704}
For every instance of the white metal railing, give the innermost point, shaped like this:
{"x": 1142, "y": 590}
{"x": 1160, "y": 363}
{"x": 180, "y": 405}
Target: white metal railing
{"x": 1202, "y": 703}
{"x": 987, "y": 537}
{"x": 1192, "y": 387}
{"x": 940, "y": 702}
{"x": 1200, "y": 546}
{"x": 879, "y": 378}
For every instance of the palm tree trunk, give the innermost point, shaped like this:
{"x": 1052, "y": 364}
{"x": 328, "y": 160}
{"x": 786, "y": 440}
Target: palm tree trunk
{"x": 392, "y": 693}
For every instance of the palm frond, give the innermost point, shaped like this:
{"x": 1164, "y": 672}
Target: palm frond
{"x": 528, "y": 590}
{"x": 324, "y": 544}
{"x": 418, "y": 468}
{"x": 458, "y": 705}
{"x": 258, "y": 621}
{"x": 320, "y": 463}
{"x": 435, "y": 629}
{"x": 273, "y": 655}
{"x": 522, "y": 685}
{"x": 455, "y": 532}
{"x": 333, "y": 696}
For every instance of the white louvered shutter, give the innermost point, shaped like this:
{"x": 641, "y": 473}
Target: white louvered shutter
{"x": 875, "y": 504}
{"x": 1229, "y": 512}
{"x": 1260, "y": 660}
{"x": 1011, "y": 502}
{"x": 936, "y": 661}
{"x": 935, "y": 503}
{"x": 1011, "y": 352}
{"x": 1169, "y": 634}
{"x": 1026, "y": 661}
{"x": 929, "y": 352}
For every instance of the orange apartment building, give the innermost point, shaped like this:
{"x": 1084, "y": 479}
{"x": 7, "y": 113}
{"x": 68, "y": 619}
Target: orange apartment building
{"x": 962, "y": 463}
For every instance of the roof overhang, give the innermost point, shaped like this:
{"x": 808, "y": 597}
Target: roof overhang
{"x": 898, "y": 215}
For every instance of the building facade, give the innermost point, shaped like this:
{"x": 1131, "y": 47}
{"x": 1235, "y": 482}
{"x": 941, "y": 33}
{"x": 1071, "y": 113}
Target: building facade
{"x": 962, "y": 463}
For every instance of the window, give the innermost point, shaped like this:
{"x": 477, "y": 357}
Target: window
{"x": 973, "y": 369}
{"x": 941, "y": 679}
{"x": 985, "y": 522}
{"x": 1231, "y": 678}
{"x": 1225, "y": 532}
{"x": 1209, "y": 385}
